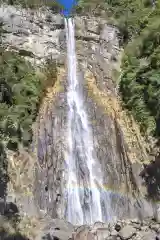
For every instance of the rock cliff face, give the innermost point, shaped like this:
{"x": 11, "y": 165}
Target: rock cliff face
{"x": 118, "y": 144}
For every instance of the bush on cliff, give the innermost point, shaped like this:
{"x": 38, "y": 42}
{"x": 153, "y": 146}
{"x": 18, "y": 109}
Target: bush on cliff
{"x": 20, "y": 91}
{"x": 140, "y": 81}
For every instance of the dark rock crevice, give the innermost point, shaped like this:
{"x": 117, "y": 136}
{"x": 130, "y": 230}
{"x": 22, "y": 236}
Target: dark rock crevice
{"x": 151, "y": 176}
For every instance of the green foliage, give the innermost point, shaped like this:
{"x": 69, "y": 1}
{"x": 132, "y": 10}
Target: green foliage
{"x": 35, "y": 4}
{"x": 20, "y": 91}
{"x": 140, "y": 81}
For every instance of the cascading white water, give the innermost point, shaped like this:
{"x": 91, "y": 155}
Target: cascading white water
{"x": 83, "y": 195}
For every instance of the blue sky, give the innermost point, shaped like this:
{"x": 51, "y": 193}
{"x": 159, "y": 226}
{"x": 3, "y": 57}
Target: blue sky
{"x": 68, "y": 5}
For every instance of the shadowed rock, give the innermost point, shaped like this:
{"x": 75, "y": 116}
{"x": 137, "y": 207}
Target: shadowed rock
{"x": 151, "y": 176}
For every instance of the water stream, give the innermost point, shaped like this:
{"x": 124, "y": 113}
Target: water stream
{"x": 83, "y": 195}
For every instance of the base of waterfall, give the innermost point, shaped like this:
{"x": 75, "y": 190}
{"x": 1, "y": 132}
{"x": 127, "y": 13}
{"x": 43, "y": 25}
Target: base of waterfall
{"x": 148, "y": 229}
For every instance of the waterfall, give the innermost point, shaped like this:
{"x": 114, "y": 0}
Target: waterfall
{"x": 83, "y": 194}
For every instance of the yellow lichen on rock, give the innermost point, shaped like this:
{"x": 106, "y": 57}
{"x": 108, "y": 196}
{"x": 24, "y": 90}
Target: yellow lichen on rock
{"x": 52, "y": 91}
{"x": 31, "y": 227}
{"x": 21, "y": 172}
{"x": 112, "y": 106}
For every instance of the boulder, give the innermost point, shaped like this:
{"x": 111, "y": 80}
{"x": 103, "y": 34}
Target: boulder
{"x": 98, "y": 225}
{"x": 83, "y": 233}
{"x": 147, "y": 236}
{"x": 58, "y": 229}
{"x": 155, "y": 227}
{"x": 112, "y": 238}
{"x": 117, "y": 227}
{"x": 114, "y": 233}
{"x": 127, "y": 232}
{"x": 102, "y": 233}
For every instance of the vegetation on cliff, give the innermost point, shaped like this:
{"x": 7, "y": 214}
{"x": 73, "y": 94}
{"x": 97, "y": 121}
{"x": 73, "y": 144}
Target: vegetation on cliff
{"x": 139, "y": 25}
{"x": 140, "y": 83}
{"x": 20, "y": 90}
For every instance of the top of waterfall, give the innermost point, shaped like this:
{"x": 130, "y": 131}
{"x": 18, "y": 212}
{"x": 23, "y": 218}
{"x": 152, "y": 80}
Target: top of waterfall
{"x": 68, "y": 6}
